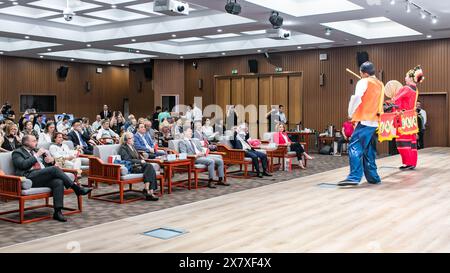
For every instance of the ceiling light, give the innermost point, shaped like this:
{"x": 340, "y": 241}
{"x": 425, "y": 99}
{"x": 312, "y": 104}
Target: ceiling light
{"x": 49, "y": 49}
{"x": 1, "y": 52}
{"x": 138, "y": 51}
{"x": 259, "y": 50}
{"x": 109, "y": 62}
{"x": 15, "y": 3}
{"x": 144, "y": 60}
{"x": 72, "y": 60}
{"x": 181, "y": 57}
{"x": 299, "y": 47}
{"x": 133, "y": 40}
{"x": 392, "y": 2}
{"x": 122, "y": 64}
{"x": 174, "y": 35}
{"x": 41, "y": 57}
{"x": 408, "y": 7}
{"x": 88, "y": 45}
{"x": 219, "y": 30}
{"x": 113, "y": 6}
{"x": 434, "y": 20}
{"x": 223, "y": 53}
{"x": 27, "y": 37}
{"x": 233, "y": 7}
{"x": 328, "y": 31}
{"x": 359, "y": 42}
{"x": 423, "y": 14}
{"x": 276, "y": 20}
{"x": 429, "y": 36}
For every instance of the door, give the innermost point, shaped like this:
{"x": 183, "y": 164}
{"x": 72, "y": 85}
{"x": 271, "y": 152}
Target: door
{"x": 436, "y": 131}
{"x": 170, "y": 102}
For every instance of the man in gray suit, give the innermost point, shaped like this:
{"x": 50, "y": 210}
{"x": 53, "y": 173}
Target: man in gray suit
{"x": 193, "y": 147}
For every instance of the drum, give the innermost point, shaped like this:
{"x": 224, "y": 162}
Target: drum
{"x": 392, "y": 88}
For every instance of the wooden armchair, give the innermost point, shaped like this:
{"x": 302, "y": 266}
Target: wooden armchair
{"x": 14, "y": 188}
{"x": 114, "y": 174}
{"x": 281, "y": 152}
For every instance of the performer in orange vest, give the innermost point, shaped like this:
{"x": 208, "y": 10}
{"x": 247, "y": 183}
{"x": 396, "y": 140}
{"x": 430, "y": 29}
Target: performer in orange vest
{"x": 406, "y": 99}
{"x": 364, "y": 109}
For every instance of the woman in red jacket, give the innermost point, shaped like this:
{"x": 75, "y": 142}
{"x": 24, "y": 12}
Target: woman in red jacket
{"x": 406, "y": 99}
{"x": 282, "y": 138}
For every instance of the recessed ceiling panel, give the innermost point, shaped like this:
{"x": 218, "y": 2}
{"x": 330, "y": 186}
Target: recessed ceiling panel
{"x": 80, "y": 21}
{"x": 27, "y": 12}
{"x": 61, "y": 5}
{"x": 97, "y": 55}
{"x": 116, "y": 15}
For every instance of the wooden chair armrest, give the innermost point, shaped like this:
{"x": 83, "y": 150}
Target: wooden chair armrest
{"x": 10, "y": 185}
{"x": 86, "y": 156}
{"x": 218, "y": 153}
{"x": 265, "y": 141}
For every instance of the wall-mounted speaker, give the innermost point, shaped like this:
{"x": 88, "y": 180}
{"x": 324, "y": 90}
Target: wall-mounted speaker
{"x": 88, "y": 86}
{"x": 148, "y": 72}
{"x": 253, "y": 66}
{"x": 62, "y": 71}
{"x": 322, "y": 79}
{"x": 195, "y": 65}
{"x": 362, "y": 57}
{"x": 200, "y": 84}
{"x": 267, "y": 55}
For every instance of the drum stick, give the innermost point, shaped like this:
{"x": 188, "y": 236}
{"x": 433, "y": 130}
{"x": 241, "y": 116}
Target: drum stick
{"x": 353, "y": 73}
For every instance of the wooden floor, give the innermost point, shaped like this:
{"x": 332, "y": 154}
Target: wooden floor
{"x": 409, "y": 212}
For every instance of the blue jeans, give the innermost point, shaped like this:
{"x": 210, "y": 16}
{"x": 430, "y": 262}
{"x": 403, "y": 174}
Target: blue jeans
{"x": 362, "y": 154}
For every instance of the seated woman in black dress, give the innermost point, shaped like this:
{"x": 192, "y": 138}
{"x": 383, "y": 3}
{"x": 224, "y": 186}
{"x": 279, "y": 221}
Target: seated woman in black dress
{"x": 128, "y": 153}
{"x": 281, "y": 137}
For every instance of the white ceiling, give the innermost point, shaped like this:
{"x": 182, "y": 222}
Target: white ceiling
{"x": 130, "y": 32}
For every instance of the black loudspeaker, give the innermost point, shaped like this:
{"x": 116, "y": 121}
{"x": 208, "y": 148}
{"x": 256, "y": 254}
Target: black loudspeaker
{"x": 62, "y": 72}
{"x": 88, "y": 86}
{"x": 253, "y": 66}
{"x": 362, "y": 57}
{"x": 148, "y": 71}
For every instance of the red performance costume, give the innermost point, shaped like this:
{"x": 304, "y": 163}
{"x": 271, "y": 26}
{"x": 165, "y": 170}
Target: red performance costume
{"x": 406, "y": 99}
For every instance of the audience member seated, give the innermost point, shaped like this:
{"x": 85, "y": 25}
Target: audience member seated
{"x": 65, "y": 157}
{"x": 219, "y": 127}
{"x": 346, "y": 134}
{"x": 163, "y": 115}
{"x": 38, "y": 166}
{"x": 97, "y": 123}
{"x": 39, "y": 125}
{"x": 128, "y": 153}
{"x": 177, "y": 129}
{"x": 47, "y": 136}
{"x": 282, "y": 138}
{"x": 28, "y": 129}
{"x": 239, "y": 141}
{"x": 12, "y": 139}
{"x": 208, "y": 130}
{"x": 144, "y": 143}
{"x": 193, "y": 147}
{"x": 132, "y": 126}
{"x": 87, "y": 129}
{"x": 81, "y": 139}
{"x": 64, "y": 126}
{"x": 200, "y": 135}
{"x": 106, "y": 135}
{"x": 149, "y": 128}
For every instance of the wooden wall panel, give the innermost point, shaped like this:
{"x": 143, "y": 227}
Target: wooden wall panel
{"x": 295, "y": 104}
{"x": 251, "y": 99}
{"x": 280, "y": 92}
{"x": 142, "y": 102}
{"x": 223, "y": 95}
{"x": 31, "y": 76}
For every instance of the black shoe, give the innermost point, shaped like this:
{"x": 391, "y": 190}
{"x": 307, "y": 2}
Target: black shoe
{"x": 58, "y": 215}
{"x": 151, "y": 197}
{"x": 411, "y": 167}
{"x": 266, "y": 174}
{"x": 348, "y": 183}
{"x": 260, "y": 175}
{"x": 222, "y": 183}
{"x": 211, "y": 185}
{"x": 404, "y": 167}
{"x": 81, "y": 190}
{"x": 145, "y": 192}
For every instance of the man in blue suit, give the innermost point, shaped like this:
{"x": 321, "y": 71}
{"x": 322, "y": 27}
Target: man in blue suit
{"x": 143, "y": 142}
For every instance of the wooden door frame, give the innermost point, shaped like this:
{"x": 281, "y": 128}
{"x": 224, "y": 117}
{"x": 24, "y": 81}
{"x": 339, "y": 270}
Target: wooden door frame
{"x": 447, "y": 127}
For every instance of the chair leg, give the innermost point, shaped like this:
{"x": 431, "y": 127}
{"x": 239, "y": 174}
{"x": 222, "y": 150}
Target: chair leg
{"x": 245, "y": 170}
{"x": 80, "y": 203}
{"x": 121, "y": 193}
{"x": 196, "y": 179}
{"x": 22, "y": 210}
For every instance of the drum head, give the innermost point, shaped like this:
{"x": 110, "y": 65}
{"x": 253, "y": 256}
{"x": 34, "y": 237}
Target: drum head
{"x": 392, "y": 88}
